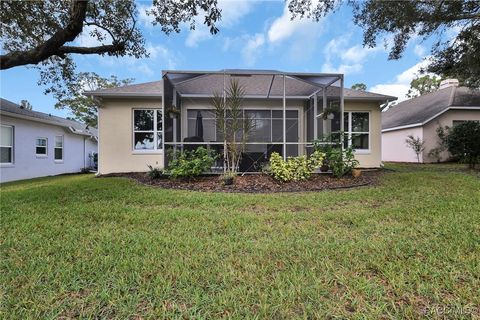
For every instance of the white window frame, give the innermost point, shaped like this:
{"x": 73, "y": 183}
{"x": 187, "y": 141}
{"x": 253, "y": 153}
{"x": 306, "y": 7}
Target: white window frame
{"x": 12, "y": 147}
{"x": 156, "y": 149}
{"x": 349, "y": 131}
{"x": 55, "y": 147}
{"x": 41, "y": 155}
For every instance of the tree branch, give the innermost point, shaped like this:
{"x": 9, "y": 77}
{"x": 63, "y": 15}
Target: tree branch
{"x": 91, "y": 50}
{"x": 52, "y": 45}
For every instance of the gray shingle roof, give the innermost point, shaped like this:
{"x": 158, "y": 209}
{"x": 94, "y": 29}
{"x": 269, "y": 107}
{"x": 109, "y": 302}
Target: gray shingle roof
{"x": 256, "y": 85}
{"x": 12, "y": 109}
{"x": 423, "y": 108}
{"x": 147, "y": 89}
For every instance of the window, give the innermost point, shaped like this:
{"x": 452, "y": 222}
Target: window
{"x": 6, "y": 144}
{"x": 58, "y": 149}
{"x": 357, "y": 130}
{"x": 267, "y": 125}
{"x": 147, "y": 129}
{"x": 41, "y": 146}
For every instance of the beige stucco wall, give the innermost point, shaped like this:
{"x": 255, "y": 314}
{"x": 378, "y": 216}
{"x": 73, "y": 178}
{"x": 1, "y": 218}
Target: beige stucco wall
{"x": 372, "y": 158}
{"x": 429, "y": 130}
{"x": 115, "y": 145}
{"x": 116, "y": 152}
{"x": 395, "y": 149}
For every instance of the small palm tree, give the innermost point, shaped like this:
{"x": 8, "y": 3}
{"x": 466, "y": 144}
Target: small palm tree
{"x": 234, "y": 126}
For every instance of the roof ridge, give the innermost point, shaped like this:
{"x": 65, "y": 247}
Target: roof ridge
{"x": 452, "y": 96}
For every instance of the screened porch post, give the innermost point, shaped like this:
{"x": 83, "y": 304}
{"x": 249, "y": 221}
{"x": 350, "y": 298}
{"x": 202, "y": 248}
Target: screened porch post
{"x": 342, "y": 129}
{"x": 284, "y": 121}
{"x": 324, "y": 107}
{"x": 225, "y": 161}
{"x": 315, "y": 120}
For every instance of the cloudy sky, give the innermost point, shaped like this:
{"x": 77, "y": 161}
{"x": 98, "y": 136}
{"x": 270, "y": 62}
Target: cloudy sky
{"x": 253, "y": 34}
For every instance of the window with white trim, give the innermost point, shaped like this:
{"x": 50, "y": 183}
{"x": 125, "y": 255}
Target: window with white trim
{"x": 357, "y": 130}
{"x": 41, "y": 145}
{"x": 147, "y": 129}
{"x": 6, "y": 144}
{"x": 58, "y": 149}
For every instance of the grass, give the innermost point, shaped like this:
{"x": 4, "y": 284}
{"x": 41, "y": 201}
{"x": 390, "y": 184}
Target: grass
{"x": 81, "y": 247}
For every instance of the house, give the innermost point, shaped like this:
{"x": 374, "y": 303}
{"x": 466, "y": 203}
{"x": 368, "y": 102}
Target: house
{"x": 139, "y": 123}
{"x": 421, "y": 116}
{"x": 36, "y": 144}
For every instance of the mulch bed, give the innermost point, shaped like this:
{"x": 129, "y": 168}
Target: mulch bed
{"x": 256, "y": 183}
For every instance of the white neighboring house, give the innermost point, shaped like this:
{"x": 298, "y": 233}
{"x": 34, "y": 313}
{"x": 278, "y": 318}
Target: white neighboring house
{"x": 35, "y": 144}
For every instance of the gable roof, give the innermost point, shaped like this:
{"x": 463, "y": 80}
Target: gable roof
{"x": 420, "y": 110}
{"x": 9, "y": 108}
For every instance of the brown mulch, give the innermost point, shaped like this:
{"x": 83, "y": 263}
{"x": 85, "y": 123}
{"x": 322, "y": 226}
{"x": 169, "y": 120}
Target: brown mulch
{"x": 256, "y": 183}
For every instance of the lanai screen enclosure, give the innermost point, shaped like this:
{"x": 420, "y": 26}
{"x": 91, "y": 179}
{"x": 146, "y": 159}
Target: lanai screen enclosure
{"x": 288, "y": 111}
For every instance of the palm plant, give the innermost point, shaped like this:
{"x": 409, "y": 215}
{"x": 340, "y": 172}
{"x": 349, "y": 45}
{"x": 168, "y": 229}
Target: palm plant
{"x": 233, "y": 125}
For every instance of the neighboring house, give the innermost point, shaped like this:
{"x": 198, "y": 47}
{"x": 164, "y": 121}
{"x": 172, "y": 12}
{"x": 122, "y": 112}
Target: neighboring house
{"x": 35, "y": 144}
{"x": 421, "y": 116}
{"x": 134, "y": 130}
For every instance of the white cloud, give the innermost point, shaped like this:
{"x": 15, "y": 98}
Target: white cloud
{"x": 85, "y": 39}
{"x": 232, "y": 12}
{"x": 419, "y": 50}
{"x": 160, "y": 58}
{"x": 145, "y": 19}
{"x": 284, "y": 27}
{"x": 350, "y": 59}
{"x": 399, "y": 87}
{"x": 250, "y": 51}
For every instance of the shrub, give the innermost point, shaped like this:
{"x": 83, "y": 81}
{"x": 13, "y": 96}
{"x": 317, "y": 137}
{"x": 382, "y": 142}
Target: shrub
{"x": 154, "y": 173}
{"x": 189, "y": 164}
{"x": 342, "y": 161}
{"x": 294, "y": 168}
{"x": 463, "y": 142}
{"x": 416, "y": 144}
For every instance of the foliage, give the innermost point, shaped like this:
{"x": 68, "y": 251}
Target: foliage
{"x": 294, "y": 168}
{"x": 463, "y": 142}
{"x": 326, "y": 144}
{"x": 435, "y": 153}
{"x": 233, "y": 126}
{"x": 47, "y": 34}
{"x": 341, "y": 162}
{"x": 85, "y": 108}
{"x": 416, "y": 144}
{"x": 406, "y": 19}
{"x": 189, "y": 164}
{"x": 359, "y": 86}
{"x": 154, "y": 172}
{"x": 423, "y": 85}
{"x": 24, "y": 104}
{"x": 228, "y": 178}
{"x": 76, "y": 246}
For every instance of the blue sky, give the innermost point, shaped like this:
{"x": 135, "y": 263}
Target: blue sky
{"x": 253, "y": 34}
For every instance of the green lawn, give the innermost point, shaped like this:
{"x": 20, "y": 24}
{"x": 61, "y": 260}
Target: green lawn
{"x": 79, "y": 246}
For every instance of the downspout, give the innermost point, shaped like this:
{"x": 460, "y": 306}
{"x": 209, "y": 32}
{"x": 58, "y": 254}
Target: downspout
{"x": 84, "y": 155}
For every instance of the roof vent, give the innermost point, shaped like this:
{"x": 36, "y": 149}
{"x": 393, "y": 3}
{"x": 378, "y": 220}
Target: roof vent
{"x": 448, "y": 83}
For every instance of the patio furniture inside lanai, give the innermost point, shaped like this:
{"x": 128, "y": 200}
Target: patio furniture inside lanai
{"x": 288, "y": 111}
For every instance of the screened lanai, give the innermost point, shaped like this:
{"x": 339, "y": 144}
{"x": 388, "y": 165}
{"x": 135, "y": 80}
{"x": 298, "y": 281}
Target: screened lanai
{"x": 288, "y": 112}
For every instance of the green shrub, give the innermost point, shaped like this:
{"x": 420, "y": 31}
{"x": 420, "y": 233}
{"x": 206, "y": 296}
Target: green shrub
{"x": 342, "y": 162}
{"x": 294, "y": 168}
{"x": 463, "y": 142}
{"x": 154, "y": 173}
{"x": 189, "y": 164}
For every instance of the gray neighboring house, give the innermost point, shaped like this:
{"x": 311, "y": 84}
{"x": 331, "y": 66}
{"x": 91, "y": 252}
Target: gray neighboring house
{"x": 35, "y": 144}
{"x": 421, "y": 116}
